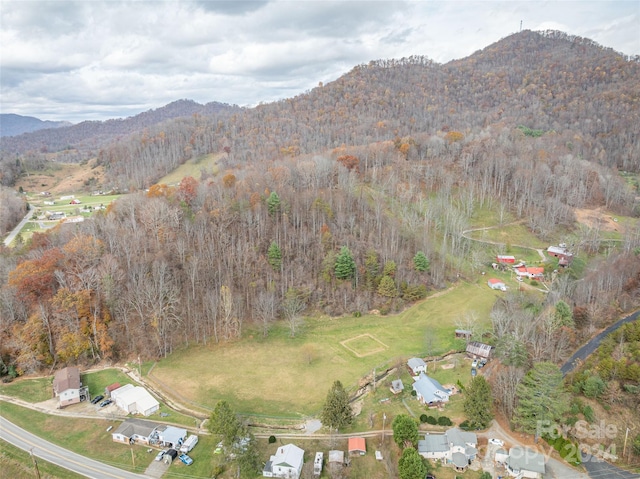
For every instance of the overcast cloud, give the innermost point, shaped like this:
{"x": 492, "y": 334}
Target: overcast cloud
{"x": 95, "y": 60}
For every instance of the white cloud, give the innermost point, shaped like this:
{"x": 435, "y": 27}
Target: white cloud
{"x": 76, "y": 60}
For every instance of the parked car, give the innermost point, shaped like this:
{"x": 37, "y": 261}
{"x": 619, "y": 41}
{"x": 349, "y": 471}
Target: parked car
{"x": 218, "y": 449}
{"x": 106, "y": 402}
{"x": 430, "y": 476}
{"x": 474, "y": 372}
{"x": 160, "y": 455}
{"x": 97, "y": 399}
{"x": 474, "y": 364}
{"x": 496, "y": 442}
{"x": 186, "y": 459}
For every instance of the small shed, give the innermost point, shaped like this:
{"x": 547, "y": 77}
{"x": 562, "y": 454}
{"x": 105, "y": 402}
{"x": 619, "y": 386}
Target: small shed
{"x": 357, "y": 446}
{"x": 169, "y": 456}
{"x": 463, "y": 333}
{"x": 110, "y": 388}
{"x": 397, "y": 386}
{"x": 336, "y": 457}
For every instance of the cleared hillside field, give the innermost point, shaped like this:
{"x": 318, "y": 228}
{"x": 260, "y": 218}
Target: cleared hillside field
{"x": 289, "y": 377}
{"x": 194, "y": 168}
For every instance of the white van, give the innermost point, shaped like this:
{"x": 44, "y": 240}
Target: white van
{"x": 189, "y": 444}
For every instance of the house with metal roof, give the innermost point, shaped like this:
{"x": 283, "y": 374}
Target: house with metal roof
{"x": 286, "y": 462}
{"x": 357, "y": 446}
{"x": 524, "y": 462}
{"x": 430, "y": 391}
{"x": 417, "y": 365}
{"x": 455, "y": 447}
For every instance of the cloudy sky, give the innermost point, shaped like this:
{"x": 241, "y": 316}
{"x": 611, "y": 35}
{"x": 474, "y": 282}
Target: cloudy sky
{"x": 95, "y": 60}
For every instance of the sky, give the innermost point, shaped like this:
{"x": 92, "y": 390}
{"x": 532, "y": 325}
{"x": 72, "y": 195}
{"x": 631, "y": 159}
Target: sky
{"x": 96, "y": 60}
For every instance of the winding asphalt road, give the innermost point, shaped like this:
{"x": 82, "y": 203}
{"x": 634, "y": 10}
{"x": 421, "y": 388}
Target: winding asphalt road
{"x": 582, "y": 353}
{"x": 57, "y": 455}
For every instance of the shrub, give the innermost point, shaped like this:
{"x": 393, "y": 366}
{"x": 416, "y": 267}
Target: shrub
{"x": 272, "y": 439}
{"x": 432, "y": 420}
{"x": 588, "y": 413}
{"x": 444, "y": 421}
{"x": 423, "y": 418}
{"x": 593, "y": 387}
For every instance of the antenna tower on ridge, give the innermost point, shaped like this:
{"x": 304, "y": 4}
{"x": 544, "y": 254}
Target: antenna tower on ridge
{"x": 520, "y": 25}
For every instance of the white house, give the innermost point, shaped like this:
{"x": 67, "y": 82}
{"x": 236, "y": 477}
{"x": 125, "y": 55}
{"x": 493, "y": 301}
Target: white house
{"x": 417, "y": 366}
{"x": 430, "y": 391}
{"x": 134, "y": 430}
{"x": 286, "y": 462}
{"x": 135, "y": 400}
{"x": 455, "y": 447}
{"x": 169, "y": 436}
{"x": 68, "y": 388}
{"x": 524, "y": 462}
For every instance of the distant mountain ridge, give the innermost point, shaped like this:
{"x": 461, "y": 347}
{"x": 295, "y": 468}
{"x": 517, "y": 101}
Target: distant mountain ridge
{"x": 89, "y": 135}
{"x": 12, "y": 124}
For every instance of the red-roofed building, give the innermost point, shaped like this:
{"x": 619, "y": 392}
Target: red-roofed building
{"x": 501, "y": 258}
{"x": 532, "y": 272}
{"x": 495, "y": 283}
{"x": 357, "y": 446}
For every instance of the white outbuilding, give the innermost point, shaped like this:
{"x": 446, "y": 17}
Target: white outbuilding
{"x": 135, "y": 400}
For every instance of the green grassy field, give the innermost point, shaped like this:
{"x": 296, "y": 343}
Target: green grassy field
{"x": 16, "y": 463}
{"x": 192, "y": 168}
{"x": 273, "y": 376}
{"x": 30, "y": 390}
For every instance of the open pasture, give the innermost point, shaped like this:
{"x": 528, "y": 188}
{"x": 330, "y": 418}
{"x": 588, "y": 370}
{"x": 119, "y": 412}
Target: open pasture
{"x": 289, "y": 377}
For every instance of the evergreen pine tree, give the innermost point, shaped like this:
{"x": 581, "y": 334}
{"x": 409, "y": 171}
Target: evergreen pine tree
{"x": 541, "y": 397}
{"x": 345, "y": 267}
{"x": 273, "y": 203}
{"x": 478, "y": 402}
{"x": 421, "y": 262}
{"x": 274, "y": 255}
{"x": 336, "y": 412}
{"x": 411, "y": 465}
{"x": 387, "y": 287}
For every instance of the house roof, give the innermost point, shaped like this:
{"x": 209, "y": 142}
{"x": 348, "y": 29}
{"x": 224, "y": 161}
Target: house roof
{"x": 138, "y": 427}
{"x": 67, "y": 378}
{"x": 433, "y": 443}
{"x": 495, "y": 281}
{"x": 523, "y": 458}
{"x": 459, "y": 459}
{"x": 397, "y": 385}
{"x": 414, "y": 363}
{"x": 530, "y": 270}
{"x": 171, "y": 434}
{"x": 129, "y": 394}
{"x": 336, "y": 456}
{"x": 357, "y": 444}
{"x": 478, "y": 348}
{"x": 112, "y": 387}
{"x": 461, "y": 438}
{"x": 288, "y": 455}
{"x": 428, "y": 387}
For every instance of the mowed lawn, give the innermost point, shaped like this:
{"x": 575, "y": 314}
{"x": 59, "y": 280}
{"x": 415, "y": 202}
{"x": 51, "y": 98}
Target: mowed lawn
{"x": 290, "y": 377}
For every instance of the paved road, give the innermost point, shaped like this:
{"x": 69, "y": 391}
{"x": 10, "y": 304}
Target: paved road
{"x": 60, "y": 456}
{"x": 582, "y": 353}
{"x": 17, "y": 229}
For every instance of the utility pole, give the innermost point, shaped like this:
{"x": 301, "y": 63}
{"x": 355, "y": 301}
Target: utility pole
{"x": 384, "y": 418}
{"x": 133, "y": 459}
{"x": 35, "y": 463}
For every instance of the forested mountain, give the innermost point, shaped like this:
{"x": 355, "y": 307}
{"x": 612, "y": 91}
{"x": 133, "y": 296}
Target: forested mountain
{"x": 349, "y": 197}
{"x": 88, "y": 136}
{"x": 12, "y": 124}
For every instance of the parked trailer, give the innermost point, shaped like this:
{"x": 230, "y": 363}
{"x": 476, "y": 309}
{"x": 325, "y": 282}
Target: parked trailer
{"x": 189, "y": 444}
